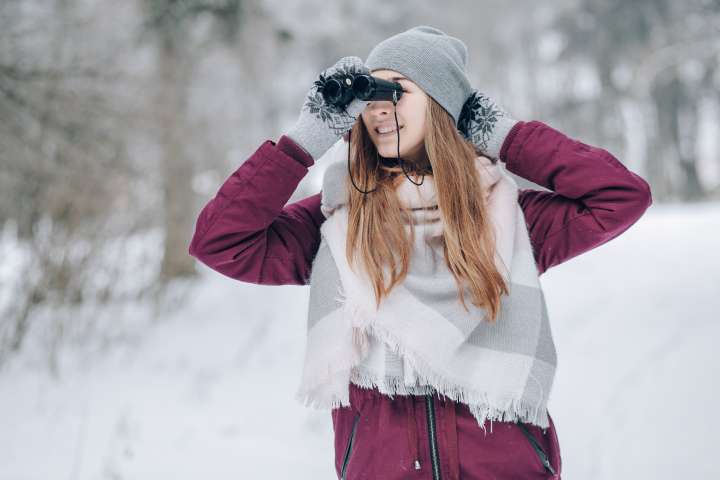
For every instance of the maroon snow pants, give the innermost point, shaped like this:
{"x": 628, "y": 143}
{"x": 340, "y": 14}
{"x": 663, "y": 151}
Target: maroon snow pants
{"x": 382, "y": 438}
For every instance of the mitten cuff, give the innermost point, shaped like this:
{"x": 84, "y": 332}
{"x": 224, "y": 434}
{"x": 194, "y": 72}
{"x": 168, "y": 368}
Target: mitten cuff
{"x": 500, "y": 131}
{"x": 301, "y": 134}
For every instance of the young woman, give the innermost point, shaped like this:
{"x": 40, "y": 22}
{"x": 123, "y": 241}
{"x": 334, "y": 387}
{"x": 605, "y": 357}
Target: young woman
{"x": 427, "y": 329}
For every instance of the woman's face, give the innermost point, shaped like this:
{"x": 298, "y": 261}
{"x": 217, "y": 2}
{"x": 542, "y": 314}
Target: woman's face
{"x": 411, "y": 116}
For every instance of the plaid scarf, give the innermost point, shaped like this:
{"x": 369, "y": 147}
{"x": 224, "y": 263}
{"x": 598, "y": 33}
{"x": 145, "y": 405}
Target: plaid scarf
{"x": 421, "y": 338}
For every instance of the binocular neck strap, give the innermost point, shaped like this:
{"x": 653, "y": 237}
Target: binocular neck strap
{"x": 399, "y": 160}
{"x": 350, "y": 173}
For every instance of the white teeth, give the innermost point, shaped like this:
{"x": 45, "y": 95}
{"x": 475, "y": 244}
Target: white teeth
{"x": 386, "y": 129}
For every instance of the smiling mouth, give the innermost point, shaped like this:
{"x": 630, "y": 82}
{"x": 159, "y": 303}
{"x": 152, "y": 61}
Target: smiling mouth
{"x": 386, "y": 130}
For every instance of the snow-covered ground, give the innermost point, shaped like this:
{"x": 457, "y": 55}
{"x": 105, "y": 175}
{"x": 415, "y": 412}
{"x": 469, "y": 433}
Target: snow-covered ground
{"x": 208, "y": 391}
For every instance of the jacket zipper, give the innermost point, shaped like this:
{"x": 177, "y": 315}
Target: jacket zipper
{"x": 349, "y": 448}
{"x": 538, "y": 450}
{"x": 432, "y": 434}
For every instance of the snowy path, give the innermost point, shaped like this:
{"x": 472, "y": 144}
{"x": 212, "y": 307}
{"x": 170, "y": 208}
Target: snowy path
{"x": 637, "y": 326}
{"x": 209, "y": 391}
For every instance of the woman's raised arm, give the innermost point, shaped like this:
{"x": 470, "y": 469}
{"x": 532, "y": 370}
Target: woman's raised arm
{"x": 247, "y": 232}
{"x": 593, "y": 197}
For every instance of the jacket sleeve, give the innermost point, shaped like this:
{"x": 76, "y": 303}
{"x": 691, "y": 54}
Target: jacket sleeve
{"x": 247, "y": 233}
{"x": 593, "y": 197}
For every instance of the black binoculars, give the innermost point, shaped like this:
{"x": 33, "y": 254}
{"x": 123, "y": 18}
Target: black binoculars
{"x": 340, "y": 89}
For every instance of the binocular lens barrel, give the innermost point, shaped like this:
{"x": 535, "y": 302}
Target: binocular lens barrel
{"x": 367, "y": 88}
{"x": 362, "y": 87}
{"x": 332, "y": 91}
{"x": 340, "y": 90}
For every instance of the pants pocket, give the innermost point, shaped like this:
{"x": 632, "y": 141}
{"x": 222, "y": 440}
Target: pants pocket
{"x": 348, "y": 450}
{"x": 538, "y": 450}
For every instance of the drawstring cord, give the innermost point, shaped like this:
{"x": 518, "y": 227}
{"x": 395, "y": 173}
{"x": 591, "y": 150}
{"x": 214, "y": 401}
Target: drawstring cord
{"x": 413, "y": 432}
{"x": 450, "y": 431}
{"x": 399, "y": 161}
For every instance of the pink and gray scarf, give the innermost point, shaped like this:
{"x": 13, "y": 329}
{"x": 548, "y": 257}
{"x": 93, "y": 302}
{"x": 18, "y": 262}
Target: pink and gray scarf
{"x": 421, "y": 338}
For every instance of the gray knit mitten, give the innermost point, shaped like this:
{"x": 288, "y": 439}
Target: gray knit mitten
{"x": 321, "y": 124}
{"x": 484, "y": 123}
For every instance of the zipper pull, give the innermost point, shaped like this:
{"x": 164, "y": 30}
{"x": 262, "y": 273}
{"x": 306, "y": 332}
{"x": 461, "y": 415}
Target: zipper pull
{"x": 549, "y": 467}
{"x": 546, "y": 462}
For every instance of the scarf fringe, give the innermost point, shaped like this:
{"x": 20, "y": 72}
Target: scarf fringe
{"x": 484, "y": 406}
{"x": 493, "y": 407}
{"x": 390, "y": 386}
{"x": 305, "y": 393}
{"x": 325, "y": 403}
{"x": 362, "y": 317}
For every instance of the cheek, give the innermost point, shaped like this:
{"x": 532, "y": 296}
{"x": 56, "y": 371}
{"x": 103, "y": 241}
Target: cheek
{"x": 366, "y": 118}
{"x": 417, "y": 123}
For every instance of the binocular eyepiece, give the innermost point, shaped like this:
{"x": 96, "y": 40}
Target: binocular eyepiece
{"x": 340, "y": 90}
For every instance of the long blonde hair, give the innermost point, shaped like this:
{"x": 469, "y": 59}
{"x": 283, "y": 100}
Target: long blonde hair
{"x": 377, "y": 239}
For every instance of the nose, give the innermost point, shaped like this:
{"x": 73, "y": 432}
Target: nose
{"x": 381, "y": 107}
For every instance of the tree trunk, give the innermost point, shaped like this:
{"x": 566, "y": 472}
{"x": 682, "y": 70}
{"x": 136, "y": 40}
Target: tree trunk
{"x": 677, "y": 128}
{"x": 177, "y": 169}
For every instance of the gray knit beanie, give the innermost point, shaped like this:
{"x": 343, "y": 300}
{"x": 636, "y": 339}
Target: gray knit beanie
{"x": 431, "y": 59}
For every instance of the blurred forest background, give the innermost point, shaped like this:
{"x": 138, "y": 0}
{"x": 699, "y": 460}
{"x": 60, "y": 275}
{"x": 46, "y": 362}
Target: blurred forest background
{"x": 120, "y": 120}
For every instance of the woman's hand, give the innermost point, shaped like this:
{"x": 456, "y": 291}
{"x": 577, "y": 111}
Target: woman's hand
{"x": 321, "y": 124}
{"x": 484, "y": 123}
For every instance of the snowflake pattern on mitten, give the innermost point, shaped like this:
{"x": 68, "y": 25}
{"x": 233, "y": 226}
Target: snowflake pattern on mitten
{"x": 333, "y": 116}
{"x": 478, "y": 118}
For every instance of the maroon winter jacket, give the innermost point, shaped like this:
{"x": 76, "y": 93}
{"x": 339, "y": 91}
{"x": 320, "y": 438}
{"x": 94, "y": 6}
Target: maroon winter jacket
{"x": 248, "y": 233}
